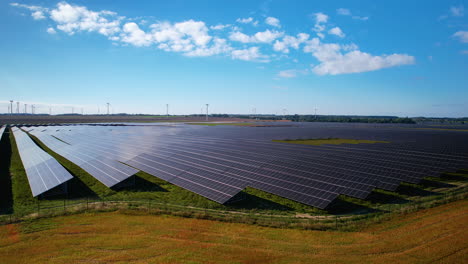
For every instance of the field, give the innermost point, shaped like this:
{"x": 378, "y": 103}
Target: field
{"x": 153, "y": 221}
{"x": 436, "y": 235}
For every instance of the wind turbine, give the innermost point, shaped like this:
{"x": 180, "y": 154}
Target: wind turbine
{"x": 207, "y": 112}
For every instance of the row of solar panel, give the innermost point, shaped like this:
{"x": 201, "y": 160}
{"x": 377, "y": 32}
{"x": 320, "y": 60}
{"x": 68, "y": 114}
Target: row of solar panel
{"x": 2, "y": 129}
{"x": 311, "y": 175}
{"x": 108, "y": 171}
{"x": 43, "y": 171}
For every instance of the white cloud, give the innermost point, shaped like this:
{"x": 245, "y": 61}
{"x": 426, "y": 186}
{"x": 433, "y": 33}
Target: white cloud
{"x": 244, "y": 20}
{"x": 220, "y": 27}
{"x": 464, "y": 52}
{"x": 250, "y": 54}
{"x": 266, "y": 36}
{"x": 37, "y": 12}
{"x": 347, "y": 12}
{"x": 51, "y": 30}
{"x": 272, "y": 21}
{"x": 196, "y": 30}
{"x": 220, "y": 46}
{"x": 184, "y": 37}
{"x": 333, "y": 61}
{"x": 72, "y": 18}
{"x": 38, "y": 15}
{"x": 132, "y": 34}
{"x": 240, "y": 37}
{"x": 248, "y": 20}
{"x": 462, "y": 36}
{"x": 320, "y": 19}
{"x": 343, "y": 12}
{"x": 192, "y": 38}
{"x": 457, "y": 11}
{"x": 290, "y": 42}
{"x": 337, "y": 32}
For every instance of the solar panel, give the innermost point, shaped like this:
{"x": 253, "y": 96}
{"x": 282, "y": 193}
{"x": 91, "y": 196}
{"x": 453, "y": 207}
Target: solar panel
{"x": 2, "y": 129}
{"x": 43, "y": 171}
{"x": 108, "y": 171}
{"x": 219, "y": 162}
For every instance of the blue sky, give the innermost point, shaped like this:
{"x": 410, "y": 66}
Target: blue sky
{"x": 404, "y": 58}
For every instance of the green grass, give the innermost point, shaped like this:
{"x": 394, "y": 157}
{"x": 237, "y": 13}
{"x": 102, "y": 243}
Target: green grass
{"x": 221, "y": 124}
{"x": 330, "y": 141}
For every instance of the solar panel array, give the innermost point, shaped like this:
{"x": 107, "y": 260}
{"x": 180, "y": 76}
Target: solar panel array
{"x": 218, "y": 163}
{"x": 2, "y": 129}
{"x": 101, "y": 166}
{"x": 43, "y": 171}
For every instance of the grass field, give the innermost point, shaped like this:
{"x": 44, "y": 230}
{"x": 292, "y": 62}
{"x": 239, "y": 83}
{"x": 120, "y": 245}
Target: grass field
{"x": 436, "y": 235}
{"x": 331, "y": 141}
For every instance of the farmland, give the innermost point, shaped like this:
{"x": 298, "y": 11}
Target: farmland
{"x": 428, "y": 236}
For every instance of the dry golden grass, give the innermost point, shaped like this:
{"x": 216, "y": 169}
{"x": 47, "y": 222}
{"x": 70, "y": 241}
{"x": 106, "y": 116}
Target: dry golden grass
{"x": 437, "y": 235}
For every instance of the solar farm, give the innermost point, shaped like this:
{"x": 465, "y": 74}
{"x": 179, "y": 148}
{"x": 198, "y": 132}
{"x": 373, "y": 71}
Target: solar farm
{"x": 322, "y": 176}
{"x": 219, "y": 162}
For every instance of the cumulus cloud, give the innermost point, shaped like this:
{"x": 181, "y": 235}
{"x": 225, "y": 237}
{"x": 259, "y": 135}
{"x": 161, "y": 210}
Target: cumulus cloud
{"x": 250, "y": 54}
{"x": 333, "y": 61}
{"x": 462, "y": 36}
{"x": 266, "y": 36}
{"x": 272, "y": 21}
{"x": 132, "y": 34}
{"x": 220, "y": 46}
{"x": 290, "y": 42}
{"x": 320, "y": 20}
{"x": 71, "y": 19}
{"x": 51, "y": 30}
{"x": 194, "y": 39}
{"x": 337, "y": 32}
